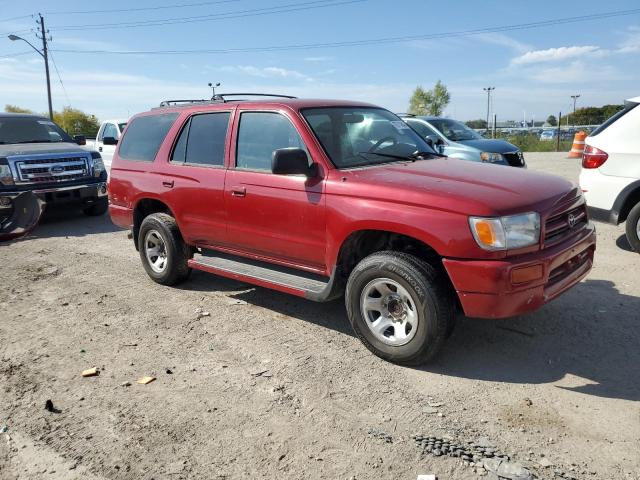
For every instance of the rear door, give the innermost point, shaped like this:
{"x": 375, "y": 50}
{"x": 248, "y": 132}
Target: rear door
{"x": 281, "y": 217}
{"x": 194, "y": 177}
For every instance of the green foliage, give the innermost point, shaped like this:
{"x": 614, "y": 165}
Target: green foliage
{"x": 16, "y": 109}
{"x": 478, "y": 124}
{"x": 591, "y": 115}
{"x": 532, "y": 143}
{"x": 552, "y": 120}
{"x": 429, "y": 102}
{"x": 75, "y": 121}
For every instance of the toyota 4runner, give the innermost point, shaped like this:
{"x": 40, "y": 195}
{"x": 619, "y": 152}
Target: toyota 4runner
{"x": 322, "y": 198}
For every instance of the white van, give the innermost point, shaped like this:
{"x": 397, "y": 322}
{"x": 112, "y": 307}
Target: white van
{"x": 610, "y": 176}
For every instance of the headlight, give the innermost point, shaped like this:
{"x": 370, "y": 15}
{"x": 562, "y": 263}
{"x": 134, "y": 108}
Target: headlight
{"x": 98, "y": 164}
{"x": 6, "y": 177}
{"x": 506, "y": 233}
{"x": 490, "y": 157}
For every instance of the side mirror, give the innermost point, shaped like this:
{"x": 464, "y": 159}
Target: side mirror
{"x": 109, "y": 141}
{"x": 291, "y": 161}
{"x": 429, "y": 142}
{"x": 80, "y": 139}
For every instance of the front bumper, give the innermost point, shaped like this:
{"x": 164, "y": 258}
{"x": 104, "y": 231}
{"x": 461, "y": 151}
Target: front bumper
{"x": 87, "y": 193}
{"x": 485, "y": 287}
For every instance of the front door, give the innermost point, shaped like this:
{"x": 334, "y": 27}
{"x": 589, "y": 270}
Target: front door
{"x": 107, "y": 151}
{"x": 281, "y": 217}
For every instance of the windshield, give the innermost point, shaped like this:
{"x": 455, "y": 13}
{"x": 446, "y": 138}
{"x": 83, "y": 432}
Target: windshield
{"x": 30, "y": 130}
{"x": 454, "y": 130}
{"x": 357, "y": 136}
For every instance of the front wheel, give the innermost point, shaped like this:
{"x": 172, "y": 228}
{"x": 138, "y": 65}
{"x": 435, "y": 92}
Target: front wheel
{"x": 400, "y": 307}
{"x": 633, "y": 228}
{"x": 163, "y": 252}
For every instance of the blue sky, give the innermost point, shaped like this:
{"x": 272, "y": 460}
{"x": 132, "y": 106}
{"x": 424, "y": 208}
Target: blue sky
{"x": 534, "y": 70}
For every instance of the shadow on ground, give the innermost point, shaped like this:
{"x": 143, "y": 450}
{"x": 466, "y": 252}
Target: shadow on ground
{"x": 69, "y": 221}
{"x": 623, "y": 243}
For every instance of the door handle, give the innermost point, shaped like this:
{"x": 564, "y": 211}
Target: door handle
{"x": 99, "y": 149}
{"x": 238, "y": 191}
{"x": 168, "y": 184}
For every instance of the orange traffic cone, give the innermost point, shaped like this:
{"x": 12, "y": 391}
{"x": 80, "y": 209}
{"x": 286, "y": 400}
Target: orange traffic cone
{"x": 578, "y": 145}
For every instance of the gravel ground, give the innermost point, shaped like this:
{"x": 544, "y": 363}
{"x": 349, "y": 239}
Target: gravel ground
{"x": 272, "y": 386}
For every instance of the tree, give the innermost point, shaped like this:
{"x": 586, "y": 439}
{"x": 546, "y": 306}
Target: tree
{"x": 75, "y": 121}
{"x": 552, "y": 120}
{"x": 590, "y": 115}
{"x": 16, "y": 109}
{"x": 477, "y": 124}
{"x": 431, "y": 102}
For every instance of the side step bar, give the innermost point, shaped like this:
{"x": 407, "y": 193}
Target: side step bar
{"x": 276, "y": 277}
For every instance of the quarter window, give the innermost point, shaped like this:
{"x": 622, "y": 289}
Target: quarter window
{"x": 144, "y": 137}
{"x": 202, "y": 140}
{"x": 259, "y": 135}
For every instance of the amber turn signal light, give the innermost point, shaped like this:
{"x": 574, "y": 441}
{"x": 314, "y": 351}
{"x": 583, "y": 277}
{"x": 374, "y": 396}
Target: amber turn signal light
{"x": 526, "y": 274}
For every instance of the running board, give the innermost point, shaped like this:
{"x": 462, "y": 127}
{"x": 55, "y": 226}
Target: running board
{"x": 276, "y": 277}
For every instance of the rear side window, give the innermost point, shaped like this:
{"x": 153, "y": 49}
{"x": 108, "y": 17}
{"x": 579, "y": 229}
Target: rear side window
{"x": 202, "y": 140}
{"x": 613, "y": 119}
{"x": 144, "y": 137}
{"x": 259, "y": 135}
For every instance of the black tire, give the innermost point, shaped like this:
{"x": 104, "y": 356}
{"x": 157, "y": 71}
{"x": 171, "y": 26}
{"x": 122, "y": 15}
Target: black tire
{"x": 632, "y": 226}
{"x": 99, "y": 208}
{"x": 176, "y": 251}
{"x": 430, "y": 293}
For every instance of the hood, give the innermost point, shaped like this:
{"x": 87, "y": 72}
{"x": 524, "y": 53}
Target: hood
{"x": 39, "y": 148}
{"x": 459, "y": 186}
{"x": 490, "y": 145}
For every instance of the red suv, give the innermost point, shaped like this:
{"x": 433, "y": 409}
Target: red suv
{"x": 323, "y": 198}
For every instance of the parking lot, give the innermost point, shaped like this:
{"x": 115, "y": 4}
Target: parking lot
{"x": 252, "y": 383}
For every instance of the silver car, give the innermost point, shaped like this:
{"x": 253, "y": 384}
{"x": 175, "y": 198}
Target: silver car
{"x": 456, "y": 140}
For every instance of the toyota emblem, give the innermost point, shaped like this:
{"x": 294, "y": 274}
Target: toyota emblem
{"x": 572, "y": 219}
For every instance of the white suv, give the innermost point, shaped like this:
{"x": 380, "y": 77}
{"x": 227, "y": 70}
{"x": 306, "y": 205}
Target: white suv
{"x": 610, "y": 176}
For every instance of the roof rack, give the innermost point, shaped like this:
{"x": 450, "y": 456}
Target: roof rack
{"x": 220, "y": 98}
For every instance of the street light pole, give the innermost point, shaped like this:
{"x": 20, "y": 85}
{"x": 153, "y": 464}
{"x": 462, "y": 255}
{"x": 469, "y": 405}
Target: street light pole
{"x": 45, "y": 55}
{"x": 488, "y": 90}
{"x": 574, "y": 97}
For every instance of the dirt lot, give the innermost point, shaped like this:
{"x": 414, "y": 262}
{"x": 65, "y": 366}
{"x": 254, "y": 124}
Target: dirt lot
{"x": 272, "y": 386}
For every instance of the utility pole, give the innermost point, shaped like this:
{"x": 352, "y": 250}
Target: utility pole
{"x": 574, "y": 97}
{"x": 45, "y": 54}
{"x": 488, "y": 90}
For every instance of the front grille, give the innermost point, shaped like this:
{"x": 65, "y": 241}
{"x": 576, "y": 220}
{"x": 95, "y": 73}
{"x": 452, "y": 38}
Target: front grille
{"x": 565, "y": 224}
{"x": 570, "y": 266}
{"x": 47, "y": 170}
{"x": 515, "y": 159}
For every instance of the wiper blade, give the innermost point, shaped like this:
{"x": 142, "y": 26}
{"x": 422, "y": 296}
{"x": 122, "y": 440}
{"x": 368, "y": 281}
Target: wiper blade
{"x": 386, "y": 155}
{"x": 419, "y": 155}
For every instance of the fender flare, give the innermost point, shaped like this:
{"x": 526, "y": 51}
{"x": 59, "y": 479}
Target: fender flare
{"x": 620, "y": 209}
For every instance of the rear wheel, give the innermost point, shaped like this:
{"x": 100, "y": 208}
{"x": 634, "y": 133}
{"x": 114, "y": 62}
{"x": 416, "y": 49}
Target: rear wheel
{"x": 400, "y": 307}
{"x": 633, "y": 228}
{"x": 163, "y": 252}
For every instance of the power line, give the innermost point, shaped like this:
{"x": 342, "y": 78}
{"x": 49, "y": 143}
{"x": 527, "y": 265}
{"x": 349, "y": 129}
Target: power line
{"x": 378, "y": 41}
{"x": 141, "y": 9}
{"x": 292, "y": 7}
{"x": 10, "y": 55}
{"x": 60, "y": 78}
{"x": 15, "y": 18}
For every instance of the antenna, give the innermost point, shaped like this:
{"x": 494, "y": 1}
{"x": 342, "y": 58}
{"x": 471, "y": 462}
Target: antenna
{"x": 213, "y": 89}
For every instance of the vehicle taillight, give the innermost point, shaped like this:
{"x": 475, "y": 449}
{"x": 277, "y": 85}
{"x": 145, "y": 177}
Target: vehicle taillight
{"x": 593, "y": 157}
